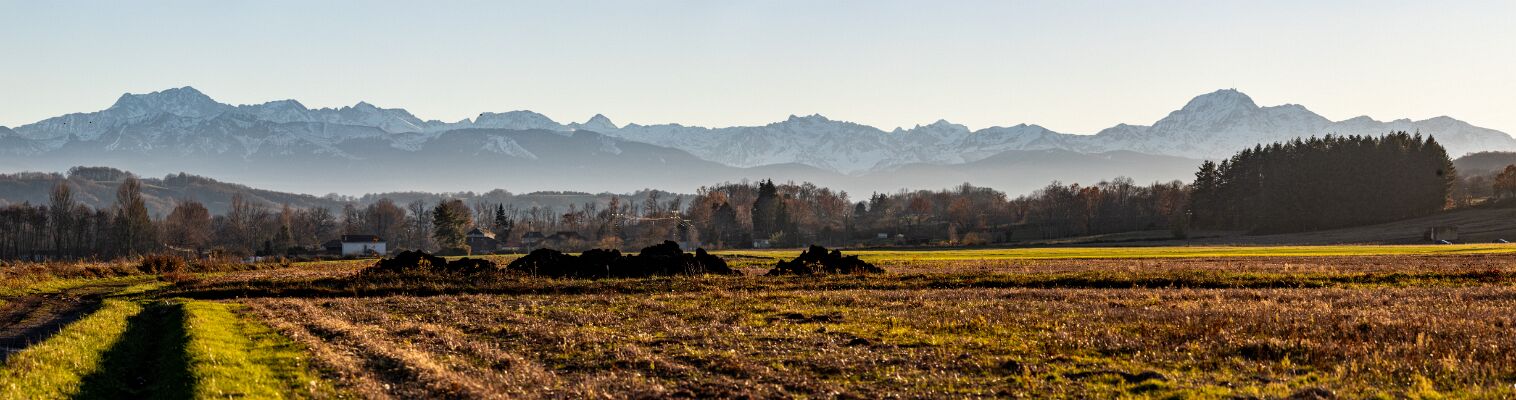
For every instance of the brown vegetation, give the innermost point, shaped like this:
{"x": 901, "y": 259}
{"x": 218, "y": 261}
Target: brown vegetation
{"x": 914, "y": 343}
{"x": 1266, "y": 327}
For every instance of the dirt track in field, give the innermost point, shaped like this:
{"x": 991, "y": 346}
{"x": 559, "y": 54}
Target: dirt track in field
{"x": 31, "y": 319}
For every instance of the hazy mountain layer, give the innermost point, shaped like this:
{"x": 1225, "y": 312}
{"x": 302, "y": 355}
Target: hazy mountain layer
{"x": 365, "y": 148}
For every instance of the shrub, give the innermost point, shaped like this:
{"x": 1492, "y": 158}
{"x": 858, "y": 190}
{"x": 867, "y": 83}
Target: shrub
{"x": 177, "y": 277}
{"x": 974, "y": 239}
{"x": 161, "y": 263}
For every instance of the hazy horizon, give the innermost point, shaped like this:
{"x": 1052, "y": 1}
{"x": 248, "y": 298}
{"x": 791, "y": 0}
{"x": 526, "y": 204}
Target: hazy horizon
{"x": 1071, "y": 67}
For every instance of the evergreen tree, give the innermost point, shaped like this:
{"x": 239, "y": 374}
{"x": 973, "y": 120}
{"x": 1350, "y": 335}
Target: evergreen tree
{"x": 766, "y": 209}
{"x": 1204, "y": 194}
{"x": 450, "y": 222}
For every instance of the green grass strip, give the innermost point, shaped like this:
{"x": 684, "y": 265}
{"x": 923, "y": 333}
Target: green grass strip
{"x": 57, "y": 367}
{"x": 46, "y": 285}
{"x": 232, "y": 356}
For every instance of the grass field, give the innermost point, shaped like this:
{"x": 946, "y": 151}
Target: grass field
{"x": 1073, "y": 322}
{"x": 1130, "y": 252}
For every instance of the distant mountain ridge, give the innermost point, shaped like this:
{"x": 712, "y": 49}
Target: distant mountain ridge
{"x": 1484, "y": 163}
{"x": 183, "y": 129}
{"x": 1211, "y": 126}
{"x": 97, "y": 189}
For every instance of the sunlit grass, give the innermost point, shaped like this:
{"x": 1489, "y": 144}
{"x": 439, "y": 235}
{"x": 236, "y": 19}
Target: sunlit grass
{"x": 230, "y": 356}
{"x": 56, "y": 368}
{"x": 46, "y": 285}
{"x": 135, "y": 344}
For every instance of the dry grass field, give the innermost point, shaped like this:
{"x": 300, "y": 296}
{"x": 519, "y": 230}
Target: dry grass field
{"x": 1298, "y": 322}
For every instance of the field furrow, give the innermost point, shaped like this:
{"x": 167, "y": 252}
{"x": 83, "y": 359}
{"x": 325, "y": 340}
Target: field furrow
{"x": 404, "y": 366}
{"x": 977, "y": 342}
{"x": 934, "y": 326}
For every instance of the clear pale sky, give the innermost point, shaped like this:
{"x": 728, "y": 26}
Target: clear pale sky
{"x": 1072, "y": 66}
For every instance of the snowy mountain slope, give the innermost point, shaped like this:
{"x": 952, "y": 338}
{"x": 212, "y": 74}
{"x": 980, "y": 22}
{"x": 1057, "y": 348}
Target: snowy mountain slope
{"x": 391, "y": 120}
{"x": 183, "y": 122}
{"x": 1210, "y": 126}
{"x": 597, "y": 123}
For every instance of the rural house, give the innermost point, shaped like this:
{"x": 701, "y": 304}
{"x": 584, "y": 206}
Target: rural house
{"x": 481, "y": 241}
{"x": 360, "y": 245}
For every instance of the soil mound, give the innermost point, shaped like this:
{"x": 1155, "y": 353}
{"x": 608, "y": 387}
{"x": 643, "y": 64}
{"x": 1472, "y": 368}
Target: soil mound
{"x": 664, "y": 259}
{"x": 817, "y": 261}
{"x": 420, "y": 261}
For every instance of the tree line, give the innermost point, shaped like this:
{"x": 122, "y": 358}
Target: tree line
{"x": 729, "y": 215}
{"x": 1323, "y": 183}
{"x": 64, "y": 228}
{"x": 1306, "y": 184}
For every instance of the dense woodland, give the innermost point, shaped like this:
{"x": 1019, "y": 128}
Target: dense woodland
{"x": 1317, "y": 183}
{"x": 1323, "y": 183}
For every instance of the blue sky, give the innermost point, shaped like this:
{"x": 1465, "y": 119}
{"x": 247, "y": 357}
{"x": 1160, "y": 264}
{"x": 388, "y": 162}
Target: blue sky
{"x": 1072, "y": 66}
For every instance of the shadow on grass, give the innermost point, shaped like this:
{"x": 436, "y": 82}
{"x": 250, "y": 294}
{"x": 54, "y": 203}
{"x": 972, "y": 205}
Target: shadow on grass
{"x": 34, "y": 319}
{"x": 149, "y": 362}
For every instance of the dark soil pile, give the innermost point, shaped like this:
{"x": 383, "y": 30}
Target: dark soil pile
{"x": 420, "y": 261}
{"x": 659, "y": 260}
{"x": 818, "y": 261}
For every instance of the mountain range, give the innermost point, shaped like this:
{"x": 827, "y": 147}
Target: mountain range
{"x": 285, "y": 145}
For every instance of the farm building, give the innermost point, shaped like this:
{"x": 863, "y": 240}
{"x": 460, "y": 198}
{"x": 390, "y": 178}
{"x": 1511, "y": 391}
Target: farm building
{"x": 481, "y": 241}
{"x": 359, "y": 245}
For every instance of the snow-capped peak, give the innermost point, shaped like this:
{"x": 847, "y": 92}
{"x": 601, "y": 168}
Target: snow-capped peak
{"x": 1220, "y": 100}
{"x": 942, "y": 125}
{"x": 184, "y": 102}
{"x": 288, "y": 104}
{"x": 598, "y": 123}
{"x": 517, "y": 120}
{"x": 813, "y": 118}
